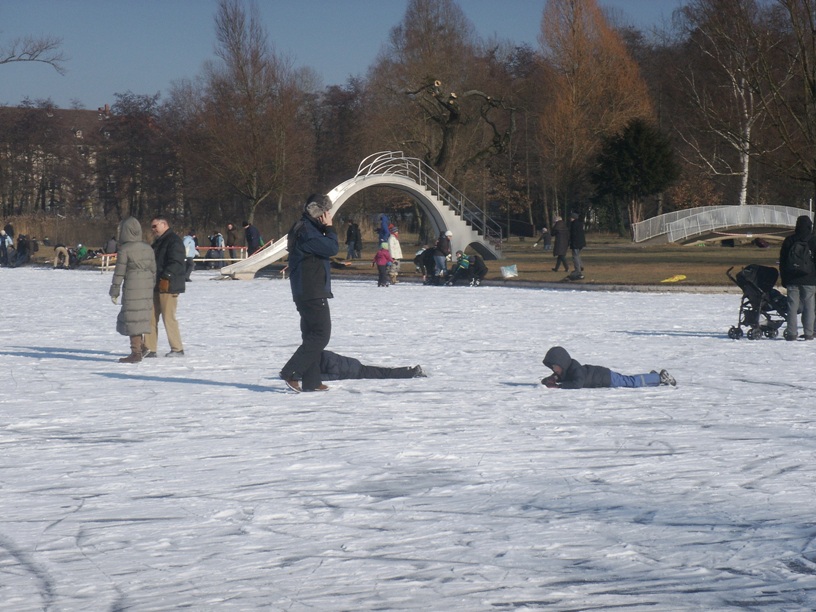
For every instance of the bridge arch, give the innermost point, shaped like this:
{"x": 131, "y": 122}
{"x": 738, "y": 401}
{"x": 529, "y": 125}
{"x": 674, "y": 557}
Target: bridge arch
{"x": 444, "y": 205}
{"x": 719, "y": 222}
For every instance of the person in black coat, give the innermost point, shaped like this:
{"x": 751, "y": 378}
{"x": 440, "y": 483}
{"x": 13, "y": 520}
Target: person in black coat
{"x": 478, "y": 269}
{"x": 545, "y": 238}
{"x": 253, "y": 238}
{"x": 312, "y": 243}
{"x": 577, "y": 241}
{"x": 569, "y": 374}
{"x": 171, "y": 272}
{"x": 340, "y": 367}
{"x": 560, "y": 232}
{"x": 354, "y": 241}
{"x": 799, "y": 281}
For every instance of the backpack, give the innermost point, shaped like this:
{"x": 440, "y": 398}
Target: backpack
{"x": 800, "y": 259}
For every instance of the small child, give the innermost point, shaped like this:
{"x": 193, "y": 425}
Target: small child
{"x": 569, "y": 374}
{"x": 382, "y": 259}
{"x": 393, "y": 271}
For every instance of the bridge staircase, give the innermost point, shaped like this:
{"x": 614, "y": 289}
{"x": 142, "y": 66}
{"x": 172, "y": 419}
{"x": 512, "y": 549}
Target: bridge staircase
{"x": 446, "y": 207}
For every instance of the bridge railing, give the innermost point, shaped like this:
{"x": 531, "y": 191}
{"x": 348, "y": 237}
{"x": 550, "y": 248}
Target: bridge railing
{"x": 394, "y": 162}
{"x": 683, "y": 224}
{"x": 659, "y": 225}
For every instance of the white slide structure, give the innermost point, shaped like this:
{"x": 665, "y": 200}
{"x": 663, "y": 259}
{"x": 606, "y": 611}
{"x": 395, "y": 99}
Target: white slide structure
{"x": 446, "y": 207}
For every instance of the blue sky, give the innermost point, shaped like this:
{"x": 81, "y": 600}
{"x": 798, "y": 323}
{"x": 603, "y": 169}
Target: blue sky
{"x": 143, "y": 46}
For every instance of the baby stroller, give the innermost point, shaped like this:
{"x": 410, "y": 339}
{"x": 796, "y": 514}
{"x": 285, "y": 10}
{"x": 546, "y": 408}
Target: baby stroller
{"x": 763, "y": 309}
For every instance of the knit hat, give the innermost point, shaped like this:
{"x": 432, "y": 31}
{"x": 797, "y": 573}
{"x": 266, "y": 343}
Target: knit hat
{"x": 449, "y": 233}
{"x": 317, "y": 204}
{"x": 383, "y": 245}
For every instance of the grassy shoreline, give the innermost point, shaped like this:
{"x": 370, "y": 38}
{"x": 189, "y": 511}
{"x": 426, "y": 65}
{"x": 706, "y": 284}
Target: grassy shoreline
{"x": 609, "y": 260}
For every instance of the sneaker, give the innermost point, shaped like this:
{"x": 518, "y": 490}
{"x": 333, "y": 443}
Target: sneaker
{"x": 667, "y": 379}
{"x": 417, "y": 372}
{"x": 175, "y": 354}
{"x": 318, "y": 388}
{"x": 132, "y": 358}
{"x": 148, "y": 354}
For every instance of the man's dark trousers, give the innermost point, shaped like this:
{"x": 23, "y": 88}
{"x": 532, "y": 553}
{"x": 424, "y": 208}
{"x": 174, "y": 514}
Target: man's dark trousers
{"x": 315, "y": 332}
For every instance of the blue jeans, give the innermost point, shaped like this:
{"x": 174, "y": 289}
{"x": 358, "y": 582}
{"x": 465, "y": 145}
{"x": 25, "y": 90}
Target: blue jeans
{"x": 652, "y": 379}
{"x": 441, "y": 264}
{"x": 800, "y": 295}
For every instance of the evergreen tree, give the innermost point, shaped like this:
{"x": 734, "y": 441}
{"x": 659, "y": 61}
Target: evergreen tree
{"x": 634, "y": 164}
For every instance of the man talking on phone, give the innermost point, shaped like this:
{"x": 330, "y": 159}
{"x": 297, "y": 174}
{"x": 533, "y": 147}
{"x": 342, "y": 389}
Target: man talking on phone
{"x": 311, "y": 242}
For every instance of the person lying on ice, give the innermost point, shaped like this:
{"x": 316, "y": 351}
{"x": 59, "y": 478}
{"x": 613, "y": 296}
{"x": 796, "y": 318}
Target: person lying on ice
{"x": 340, "y": 367}
{"x": 569, "y": 374}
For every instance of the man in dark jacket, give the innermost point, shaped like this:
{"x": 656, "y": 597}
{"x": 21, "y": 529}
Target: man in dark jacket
{"x": 171, "y": 269}
{"x": 577, "y": 241}
{"x": 312, "y": 243}
{"x": 253, "y": 238}
{"x": 340, "y": 367}
{"x": 569, "y": 374}
{"x": 799, "y": 277}
{"x": 231, "y": 243}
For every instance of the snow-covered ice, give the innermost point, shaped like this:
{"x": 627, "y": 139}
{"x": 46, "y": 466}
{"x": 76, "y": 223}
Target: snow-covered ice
{"x": 200, "y": 483}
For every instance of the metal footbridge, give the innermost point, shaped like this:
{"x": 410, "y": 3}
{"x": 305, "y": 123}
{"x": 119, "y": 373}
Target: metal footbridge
{"x": 444, "y": 205}
{"x": 711, "y": 223}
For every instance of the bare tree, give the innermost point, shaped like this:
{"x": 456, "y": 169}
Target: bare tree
{"x": 786, "y": 78}
{"x": 245, "y": 123}
{"x": 45, "y": 49}
{"x": 596, "y": 91}
{"x": 430, "y": 91}
{"x": 723, "y": 49}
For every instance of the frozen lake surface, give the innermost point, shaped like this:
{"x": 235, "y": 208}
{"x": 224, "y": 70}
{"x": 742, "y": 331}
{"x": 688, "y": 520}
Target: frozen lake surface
{"x": 200, "y": 483}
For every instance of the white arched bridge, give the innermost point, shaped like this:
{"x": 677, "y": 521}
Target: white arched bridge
{"x": 445, "y": 206}
{"x": 710, "y": 223}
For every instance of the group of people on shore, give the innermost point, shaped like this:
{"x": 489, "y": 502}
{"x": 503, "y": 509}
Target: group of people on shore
{"x": 567, "y": 237}
{"x": 432, "y": 263}
{"x": 14, "y": 254}
{"x": 225, "y": 248}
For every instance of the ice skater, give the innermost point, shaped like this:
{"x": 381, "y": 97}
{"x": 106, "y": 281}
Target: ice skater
{"x": 569, "y": 374}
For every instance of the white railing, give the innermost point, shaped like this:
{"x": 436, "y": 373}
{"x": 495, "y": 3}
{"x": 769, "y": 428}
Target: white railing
{"x": 682, "y": 224}
{"x": 395, "y": 163}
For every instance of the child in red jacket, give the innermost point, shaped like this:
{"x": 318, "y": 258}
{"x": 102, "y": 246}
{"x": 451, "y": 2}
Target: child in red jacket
{"x": 382, "y": 259}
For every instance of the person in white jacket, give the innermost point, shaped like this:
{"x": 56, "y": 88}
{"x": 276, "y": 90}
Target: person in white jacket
{"x": 396, "y": 253}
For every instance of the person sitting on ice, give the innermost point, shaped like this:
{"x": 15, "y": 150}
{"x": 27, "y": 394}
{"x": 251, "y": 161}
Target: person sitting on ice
{"x": 460, "y": 272}
{"x": 478, "y": 270}
{"x": 569, "y": 374}
{"x": 340, "y": 367}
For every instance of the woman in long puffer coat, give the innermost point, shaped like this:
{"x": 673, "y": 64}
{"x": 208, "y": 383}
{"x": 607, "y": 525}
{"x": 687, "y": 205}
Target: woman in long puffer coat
{"x": 136, "y": 268}
{"x": 561, "y": 234}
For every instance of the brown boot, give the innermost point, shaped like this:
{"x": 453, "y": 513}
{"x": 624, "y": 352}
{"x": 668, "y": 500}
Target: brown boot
{"x": 135, "y": 351}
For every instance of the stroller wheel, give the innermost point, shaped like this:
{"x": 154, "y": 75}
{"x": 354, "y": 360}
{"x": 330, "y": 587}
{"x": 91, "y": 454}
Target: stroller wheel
{"x": 735, "y": 333}
{"x": 771, "y": 333}
{"x": 754, "y": 334}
